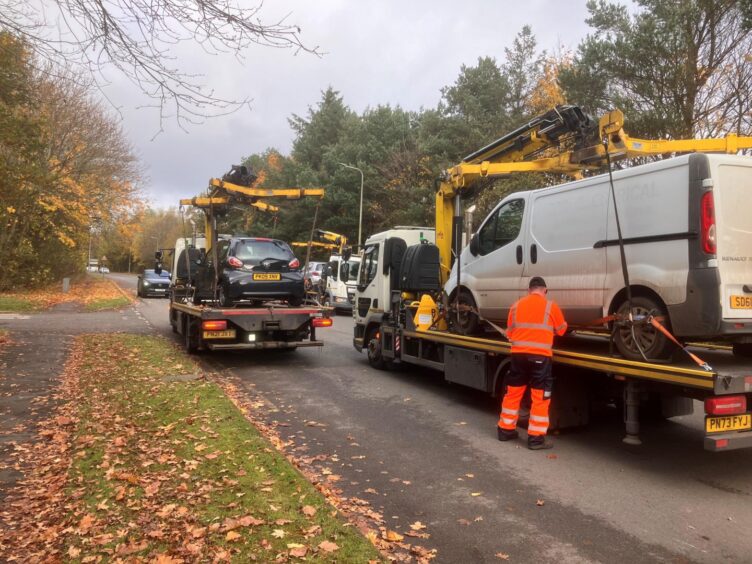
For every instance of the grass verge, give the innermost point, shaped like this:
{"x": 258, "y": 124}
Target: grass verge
{"x": 173, "y": 468}
{"x": 94, "y": 293}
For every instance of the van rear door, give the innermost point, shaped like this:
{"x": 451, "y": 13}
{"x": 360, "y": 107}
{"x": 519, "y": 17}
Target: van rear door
{"x": 732, "y": 194}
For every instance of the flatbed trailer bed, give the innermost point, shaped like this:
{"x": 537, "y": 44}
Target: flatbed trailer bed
{"x": 269, "y": 326}
{"x": 585, "y": 363}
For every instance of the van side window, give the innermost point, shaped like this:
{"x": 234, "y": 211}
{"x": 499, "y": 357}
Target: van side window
{"x": 502, "y": 227}
{"x": 508, "y": 222}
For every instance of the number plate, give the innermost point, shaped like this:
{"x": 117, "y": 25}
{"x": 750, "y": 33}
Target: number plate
{"x": 267, "y": 276}
{"x": 229, "y": 334}
{"x": 728, "y": 423}
{"x": 741, "y": 302}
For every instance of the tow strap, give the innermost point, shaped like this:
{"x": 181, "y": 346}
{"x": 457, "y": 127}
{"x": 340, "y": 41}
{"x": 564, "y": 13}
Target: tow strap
{"x": 701, "y": 363}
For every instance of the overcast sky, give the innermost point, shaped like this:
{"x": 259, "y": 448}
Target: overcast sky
{"x": 377, "y": 52}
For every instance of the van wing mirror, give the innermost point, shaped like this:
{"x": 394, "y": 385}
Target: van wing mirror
{"x": 474, "y": 245}
{"x": 158, "y": 255}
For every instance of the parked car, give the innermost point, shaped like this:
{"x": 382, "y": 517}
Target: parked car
{"x": 688, "y": 242}
{"x": 153, "y": 284}
{"x": 252, "y": 269}
{"x": 313, "y": 273}
{"x": 104, "y": 270}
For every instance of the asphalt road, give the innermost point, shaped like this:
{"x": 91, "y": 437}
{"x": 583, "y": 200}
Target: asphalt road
{"x": 419, "y": 449}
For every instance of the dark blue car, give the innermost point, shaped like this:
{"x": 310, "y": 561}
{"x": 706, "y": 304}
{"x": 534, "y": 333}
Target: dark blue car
{"x": 151, "y": 284}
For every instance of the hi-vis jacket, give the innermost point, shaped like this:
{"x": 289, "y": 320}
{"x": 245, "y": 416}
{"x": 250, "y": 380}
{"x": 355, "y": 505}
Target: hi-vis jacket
{"x": 531, "y": 325}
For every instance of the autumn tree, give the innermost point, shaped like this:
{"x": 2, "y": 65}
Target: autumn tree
{"x": 135, "y": 37}
{"x": 64, "y": 168}
{"x": 676, "y": 68}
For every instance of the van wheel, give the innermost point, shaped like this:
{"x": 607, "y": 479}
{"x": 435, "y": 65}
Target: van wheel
{"x": 642, "y": 336}
{"x": 375, "y": 358}
{"x": 465, "y": 322}
{"x": 743, "y": 350}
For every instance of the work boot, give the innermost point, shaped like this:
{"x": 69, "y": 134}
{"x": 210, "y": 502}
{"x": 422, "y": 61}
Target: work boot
{"x": 538, "y": 443}
{"x": 505, "y": 435}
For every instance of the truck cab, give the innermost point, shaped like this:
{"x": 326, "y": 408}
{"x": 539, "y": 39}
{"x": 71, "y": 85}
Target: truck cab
{"x": 373, "y": 287}
{"x": 341, "y": 281}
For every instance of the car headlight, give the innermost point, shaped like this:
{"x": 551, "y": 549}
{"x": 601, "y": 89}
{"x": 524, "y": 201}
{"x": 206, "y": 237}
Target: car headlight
{"x": 146, "y": 283}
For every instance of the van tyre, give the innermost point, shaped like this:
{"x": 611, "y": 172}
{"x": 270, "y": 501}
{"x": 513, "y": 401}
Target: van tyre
{"x": 654, "y": 344}
{"x": 465, "y": 322}
{"x": 743, "y": 350}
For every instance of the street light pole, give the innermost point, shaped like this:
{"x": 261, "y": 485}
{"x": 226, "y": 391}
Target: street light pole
{"x": 360, "y": 219}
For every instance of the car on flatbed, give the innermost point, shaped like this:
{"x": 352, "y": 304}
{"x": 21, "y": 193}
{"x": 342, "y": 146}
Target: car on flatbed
{"x": 251, "y": 270}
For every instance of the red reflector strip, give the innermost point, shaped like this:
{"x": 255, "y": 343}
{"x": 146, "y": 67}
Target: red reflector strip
{"x": 322, "y": 322}
{"x": 214, "y": 325}
{"x": 721, "y": 443}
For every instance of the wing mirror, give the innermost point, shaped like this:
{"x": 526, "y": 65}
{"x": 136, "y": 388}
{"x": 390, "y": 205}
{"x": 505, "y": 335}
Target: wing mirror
{"x": 158, "y": 255}
{"x": 474, "y": 245}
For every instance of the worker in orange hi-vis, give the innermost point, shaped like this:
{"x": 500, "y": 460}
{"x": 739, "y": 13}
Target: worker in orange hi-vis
{"x": 532, "y": 323}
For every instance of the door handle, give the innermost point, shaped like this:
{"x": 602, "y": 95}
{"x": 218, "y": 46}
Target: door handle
{"x": 519, "y": 254}
{"x": 533, "y": 253}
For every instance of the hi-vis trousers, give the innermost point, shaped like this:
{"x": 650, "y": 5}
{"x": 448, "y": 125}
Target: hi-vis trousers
{"x": 534, "y": 371}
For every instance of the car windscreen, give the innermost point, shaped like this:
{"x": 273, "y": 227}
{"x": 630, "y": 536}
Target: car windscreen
{"x": 254, "y": 251}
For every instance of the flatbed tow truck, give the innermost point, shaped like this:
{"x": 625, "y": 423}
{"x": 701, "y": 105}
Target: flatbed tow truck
{"x": 399, "y": 321}
{"x": 206, "y": 326}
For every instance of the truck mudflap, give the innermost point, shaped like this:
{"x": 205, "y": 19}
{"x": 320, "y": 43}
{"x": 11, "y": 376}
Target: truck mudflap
{"x": 728, "y": 441}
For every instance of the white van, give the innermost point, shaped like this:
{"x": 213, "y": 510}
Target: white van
{"x": 688, "y": 242}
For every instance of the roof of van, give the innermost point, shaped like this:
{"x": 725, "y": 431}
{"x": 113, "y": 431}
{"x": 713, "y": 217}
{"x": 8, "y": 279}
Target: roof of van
{"x": 681, "y": 160}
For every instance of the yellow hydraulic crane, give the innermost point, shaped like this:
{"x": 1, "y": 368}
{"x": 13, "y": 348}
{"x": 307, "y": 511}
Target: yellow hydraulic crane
{"x": 237, "y": 188}
{"x": 565, "y": 141}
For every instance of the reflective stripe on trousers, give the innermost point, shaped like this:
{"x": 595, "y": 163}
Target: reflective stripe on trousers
{"x": 510, "y": 407}
{"x": 538, "y": 413}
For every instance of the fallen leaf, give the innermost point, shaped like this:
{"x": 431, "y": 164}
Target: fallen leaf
{"x": 309, "y": 511}
{"x": 552, "y": 456}
{"x": 502, "y": 556}
{"x": 463, "y": 522}
{"x": 74, "y": 552}
{"x": 392, "y": 536}
{"x": 232, "y": 536}
{"x": 278, "y": 533}
{"x": 298, "y": 551}
{"x": 86, "y": 523}
{"x": 476, "y": 494}
{"x": 328, "y": 546}
{"x": 250, "y": 521}
{"x": 417, "y": 526}
{"x": 540, "y": 502}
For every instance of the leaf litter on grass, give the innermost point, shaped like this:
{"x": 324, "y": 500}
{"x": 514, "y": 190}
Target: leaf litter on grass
{"x": 118, "y": 475}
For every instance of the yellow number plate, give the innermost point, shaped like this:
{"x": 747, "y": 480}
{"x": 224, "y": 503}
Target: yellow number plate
{"x": 728, "y": 423}
{"x": 267, "y": 276}
{"x": 229, "y": 334}
{"x": 741, "y": 302}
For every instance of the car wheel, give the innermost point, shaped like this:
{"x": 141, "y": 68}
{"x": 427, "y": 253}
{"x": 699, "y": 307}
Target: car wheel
{"x": 224, "y": 297}
{"x": 642, "y": 338}
{"x": 375, "y": 358}
{"x": 465, "y": 321}
{"x": 743, "y": 350}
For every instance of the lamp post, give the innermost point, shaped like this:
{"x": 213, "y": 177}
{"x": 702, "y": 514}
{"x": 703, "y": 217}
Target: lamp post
{"x": 360, "y": 219}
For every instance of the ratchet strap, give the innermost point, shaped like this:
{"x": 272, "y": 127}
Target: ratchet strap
{"x": 701, "y": 363}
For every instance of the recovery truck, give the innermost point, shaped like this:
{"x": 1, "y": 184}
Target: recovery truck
{"x": 338, "y": 290}
{"x": 402, "y": 314}
{"x": 205, "y": 326}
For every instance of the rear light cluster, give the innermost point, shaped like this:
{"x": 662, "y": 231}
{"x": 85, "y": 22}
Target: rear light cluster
{"x": 707, "y": 223}
{"x": 235, "y": 262}
{"x": 322, "y": 322}
{"x": 294, "y": 263}
{"x": 214, "y": 325}
{"x": 726, "y": 405}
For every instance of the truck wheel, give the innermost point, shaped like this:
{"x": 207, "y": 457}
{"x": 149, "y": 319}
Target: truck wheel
{"x": 375, "y": 358}
{"x": 743, "y": 350}
{"x": 191, "y": 337}
{"x": 642, "y": 336}
{"x": 467, "y": 322}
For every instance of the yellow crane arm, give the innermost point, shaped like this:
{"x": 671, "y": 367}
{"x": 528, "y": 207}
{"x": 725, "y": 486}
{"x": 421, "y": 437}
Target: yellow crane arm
{"x": 562, "y": 141}
{"x": 330, "y": 246}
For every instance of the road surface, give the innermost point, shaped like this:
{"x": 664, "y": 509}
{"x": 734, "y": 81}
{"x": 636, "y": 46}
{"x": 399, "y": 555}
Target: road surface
{"x": 420, "y": 450}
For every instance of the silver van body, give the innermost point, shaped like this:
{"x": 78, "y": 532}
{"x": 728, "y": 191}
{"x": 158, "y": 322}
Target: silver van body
{"x": 699, "y": 269}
